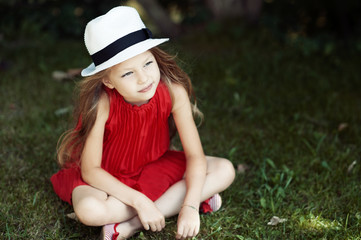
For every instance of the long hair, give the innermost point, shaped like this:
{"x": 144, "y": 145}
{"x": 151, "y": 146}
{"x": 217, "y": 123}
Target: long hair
{"x": 71, "y": 143}
{"x": 172, "y": 73}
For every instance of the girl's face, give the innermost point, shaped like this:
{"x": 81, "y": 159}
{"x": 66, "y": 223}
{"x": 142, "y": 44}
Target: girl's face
{"x": 136, "y": 79}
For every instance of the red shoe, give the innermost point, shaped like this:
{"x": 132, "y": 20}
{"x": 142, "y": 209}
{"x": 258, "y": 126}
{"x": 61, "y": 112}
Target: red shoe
{"x": 109, "y": 232}
{"x": 212, "y": 204}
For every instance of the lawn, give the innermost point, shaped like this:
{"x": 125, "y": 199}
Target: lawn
{"x": 289, "y": 120}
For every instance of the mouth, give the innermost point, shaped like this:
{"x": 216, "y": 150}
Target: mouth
{"x": 146, "y": 89}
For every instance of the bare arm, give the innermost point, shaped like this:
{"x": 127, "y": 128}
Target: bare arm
{"x": 188, "y": 221}
{"x": 97, "y": 177}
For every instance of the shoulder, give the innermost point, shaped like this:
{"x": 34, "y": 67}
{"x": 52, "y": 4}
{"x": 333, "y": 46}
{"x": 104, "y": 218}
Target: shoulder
{"x": 178, "y": 89}
{"x": 180, "y": 96}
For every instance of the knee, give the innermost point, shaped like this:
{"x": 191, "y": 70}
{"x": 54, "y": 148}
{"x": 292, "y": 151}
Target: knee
{"x": 225, "y": 170}
{"x": 90, "y": 211}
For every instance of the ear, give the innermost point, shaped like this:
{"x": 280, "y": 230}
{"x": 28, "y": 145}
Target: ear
{"x": 107, "y": 83}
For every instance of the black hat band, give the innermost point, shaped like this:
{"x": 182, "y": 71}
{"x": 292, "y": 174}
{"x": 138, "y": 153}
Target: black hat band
{"x": 121, "y": 44}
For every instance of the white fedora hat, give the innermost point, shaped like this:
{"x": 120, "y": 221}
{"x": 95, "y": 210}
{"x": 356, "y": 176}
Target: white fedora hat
{"x": 116, "y": 36}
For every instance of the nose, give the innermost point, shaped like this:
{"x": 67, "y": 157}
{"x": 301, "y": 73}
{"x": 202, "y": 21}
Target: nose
{"x": 142, "y": 77}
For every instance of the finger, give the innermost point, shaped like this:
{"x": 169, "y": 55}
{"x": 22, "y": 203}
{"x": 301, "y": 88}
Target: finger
{"x": 178, "y": 236}
{"x": 180, "y": 231}
{"x": 191, "y": 232}
{"x": 197, "y": 230}
{"x": 185, "y": 233}
{"x": 146, "y": 226}
{"x": 163, "y": 222}
{"x": 159, "y": 226}
{"x": 153, "y": 227}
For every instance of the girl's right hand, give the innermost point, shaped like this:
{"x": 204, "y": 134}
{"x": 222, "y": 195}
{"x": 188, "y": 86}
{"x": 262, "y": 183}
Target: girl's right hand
{"x": 149, "y": 215}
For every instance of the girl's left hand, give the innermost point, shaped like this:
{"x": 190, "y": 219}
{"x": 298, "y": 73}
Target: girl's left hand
{"x": 188, "y": 223}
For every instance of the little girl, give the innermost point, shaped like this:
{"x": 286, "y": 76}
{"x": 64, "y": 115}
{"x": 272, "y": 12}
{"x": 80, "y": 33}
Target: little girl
{"x": 117, "y": 169}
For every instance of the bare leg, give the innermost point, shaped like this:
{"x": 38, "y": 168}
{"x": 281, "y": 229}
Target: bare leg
{"x": 171, "y": 201}
{"x": 95, "y": 208}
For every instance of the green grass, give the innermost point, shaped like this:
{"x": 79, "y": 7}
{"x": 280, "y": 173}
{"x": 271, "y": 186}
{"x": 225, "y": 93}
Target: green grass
{"x": 267, "y": 105}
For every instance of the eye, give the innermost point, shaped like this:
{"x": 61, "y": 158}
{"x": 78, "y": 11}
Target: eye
{"x": 148, "y": 63}
{"x": 127, "y": 74}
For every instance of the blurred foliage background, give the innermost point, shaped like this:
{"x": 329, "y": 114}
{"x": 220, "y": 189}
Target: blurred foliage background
{"x": 325, "y": 23}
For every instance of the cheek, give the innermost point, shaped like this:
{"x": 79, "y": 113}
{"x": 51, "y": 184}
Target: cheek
{"x": 158, "y": 76}
{"x": 156, "y": 73}
{"x": 125, "y": 88}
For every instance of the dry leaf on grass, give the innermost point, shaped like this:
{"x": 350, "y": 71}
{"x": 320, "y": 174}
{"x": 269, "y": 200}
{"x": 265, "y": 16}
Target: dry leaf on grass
{"x": 63, "y": 111}
{"x": 242, "y": 168}
{"x": 74, "y": 72}
{"x": 350, "y": 167}
{"x": 276, "y": 220}
{"x": 342, "y": 126}
{"x": 70, "y": 74}
{"x": 72, "y": 216}
{"x": 59, "y": 75}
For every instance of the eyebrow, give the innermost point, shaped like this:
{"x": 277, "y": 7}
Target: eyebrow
{"x": 127, "y": 69}
{"x": 146, "y": 59}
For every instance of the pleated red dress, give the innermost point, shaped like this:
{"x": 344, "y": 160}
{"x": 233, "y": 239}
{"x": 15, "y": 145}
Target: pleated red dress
{"x": 135, "y": 148}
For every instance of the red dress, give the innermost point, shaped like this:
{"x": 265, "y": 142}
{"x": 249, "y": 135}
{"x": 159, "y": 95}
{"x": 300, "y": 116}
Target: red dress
{"x": 135, "y": 148}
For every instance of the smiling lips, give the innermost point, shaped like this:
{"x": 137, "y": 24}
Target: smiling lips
{"x": 146, "y": 89}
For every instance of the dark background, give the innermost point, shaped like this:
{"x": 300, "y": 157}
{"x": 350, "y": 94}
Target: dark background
{"x": 322, "y": 21}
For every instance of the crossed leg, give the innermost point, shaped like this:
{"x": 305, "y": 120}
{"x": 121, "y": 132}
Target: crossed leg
{"x": 94, "y": 207}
